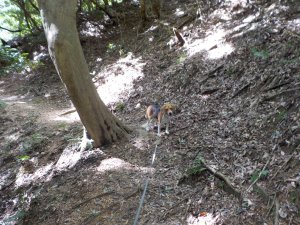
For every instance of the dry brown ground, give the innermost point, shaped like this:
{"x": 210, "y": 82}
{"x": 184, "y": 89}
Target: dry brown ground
{"x": 236, "y": 85}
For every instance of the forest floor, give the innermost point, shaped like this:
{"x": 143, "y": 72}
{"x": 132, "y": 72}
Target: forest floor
{"x": 233, "y": 153}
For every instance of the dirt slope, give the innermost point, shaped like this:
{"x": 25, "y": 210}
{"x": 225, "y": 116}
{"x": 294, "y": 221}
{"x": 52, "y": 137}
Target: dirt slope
{"x": 236, "y": 85}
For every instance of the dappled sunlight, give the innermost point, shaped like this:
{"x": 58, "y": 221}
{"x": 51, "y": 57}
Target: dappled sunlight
{"x": 57, "y": 115}
{"x": 214, "y": 44}
{"x": 68, "y": 159}
{"x": 115, "y": 81}
{"x": 24, "y": 178}
{"x": 28, "y": 173}
{"x": 116, "y": 164}
{"x": 202, "y": 219}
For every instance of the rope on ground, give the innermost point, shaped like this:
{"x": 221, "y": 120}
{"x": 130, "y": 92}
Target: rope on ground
{"x": 138, "y": 212}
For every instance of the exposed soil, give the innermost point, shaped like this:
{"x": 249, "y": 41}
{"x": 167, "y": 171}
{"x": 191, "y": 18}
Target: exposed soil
{"x": 236, "y": 86}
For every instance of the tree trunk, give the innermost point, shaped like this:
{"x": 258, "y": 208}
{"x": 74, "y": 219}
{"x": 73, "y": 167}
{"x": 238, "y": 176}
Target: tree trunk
{"x": 143, "y": 10}
{"x": 65, "y": 50}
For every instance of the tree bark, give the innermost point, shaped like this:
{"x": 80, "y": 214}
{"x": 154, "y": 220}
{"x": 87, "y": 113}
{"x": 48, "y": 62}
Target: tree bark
{"x": 59, "y": 21}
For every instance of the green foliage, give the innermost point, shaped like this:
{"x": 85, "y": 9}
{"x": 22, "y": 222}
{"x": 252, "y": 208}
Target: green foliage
{"x": 23, "y": 157}
{"x": 112, "y": 47}
{"x": 232, "y": 71}
{"x": 259, "y": 175}
{"x": 17, "y": 217}
{"x": 181, "y": 58}
{"x": 280, "y": 115}
{"x": 2, "y": 105}
{"x": 32, "y": 142}
{"x": 260, "y": 54}
{"x": 12, "y": 60}
{"x": 197, "y": 167}
{"x": 20, "y": 15}
{"x": 294, "y": 197}
{"x": 120, "y": 106}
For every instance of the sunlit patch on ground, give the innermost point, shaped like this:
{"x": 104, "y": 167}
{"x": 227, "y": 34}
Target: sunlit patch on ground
{"x": 202, "y": 218}
{"x": 115, "y": 164}
{"x": 115, "y": 81}
{"x": 25, "y": 178}
{"x": 214, "y": 44}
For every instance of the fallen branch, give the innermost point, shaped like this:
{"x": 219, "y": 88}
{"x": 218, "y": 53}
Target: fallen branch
{"x": 222, "y": 177}
{"x": 68, "y": 112}
{"x": 241, "y": 90}
{"x": 210, "y": 74}
{"x": 277, "y": 86}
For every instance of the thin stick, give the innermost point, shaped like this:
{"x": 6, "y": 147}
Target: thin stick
{"x": 258, "y": 175}
{"x": 282, "y": 166}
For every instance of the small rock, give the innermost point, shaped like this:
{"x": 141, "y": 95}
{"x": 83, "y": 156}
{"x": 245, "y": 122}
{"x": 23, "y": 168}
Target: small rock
{"x": 138, "y": 106}
{"x": 282, "y": 213}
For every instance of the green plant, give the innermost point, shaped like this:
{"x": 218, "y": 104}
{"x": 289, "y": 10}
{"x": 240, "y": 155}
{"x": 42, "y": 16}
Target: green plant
{"x": 120, "y": 106}
{"x": 259, "y": 175}
{"x": 280, "y": 115}
{"x": 32, "y": 142}
{"x": 196, "y": 167}
{"x": 12, "y": 59}
{"x": 294, "y": 197}
{"x": 261, "y": 54}
{"x": 2, "y": 105}
{"x": 17, "y": 217}
{"x": 181, "y": 58}
{"x": 23, "y": 157}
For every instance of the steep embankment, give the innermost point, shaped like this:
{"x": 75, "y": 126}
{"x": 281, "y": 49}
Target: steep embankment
{"x": 236, "y": 85}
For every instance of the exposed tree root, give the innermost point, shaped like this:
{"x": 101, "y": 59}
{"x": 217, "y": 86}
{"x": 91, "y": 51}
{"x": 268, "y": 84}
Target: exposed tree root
{"x": 229, "y": 187}
{"x": 222, "y": 177}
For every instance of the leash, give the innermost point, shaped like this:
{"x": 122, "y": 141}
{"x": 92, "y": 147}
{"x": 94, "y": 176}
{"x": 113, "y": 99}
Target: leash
{"x": 137, "y": 215}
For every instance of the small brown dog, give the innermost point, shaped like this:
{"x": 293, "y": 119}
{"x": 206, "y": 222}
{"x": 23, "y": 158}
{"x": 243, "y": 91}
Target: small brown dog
{"x": 161, "y": 114}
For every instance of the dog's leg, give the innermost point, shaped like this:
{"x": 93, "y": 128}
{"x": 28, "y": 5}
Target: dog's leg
{"x": 149, "y": 123}
{"x": 158, "y": 129}
{"x": 167, "y": 128}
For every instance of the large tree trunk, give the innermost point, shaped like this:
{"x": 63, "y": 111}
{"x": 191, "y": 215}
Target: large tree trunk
{"x": 65, "y": 50}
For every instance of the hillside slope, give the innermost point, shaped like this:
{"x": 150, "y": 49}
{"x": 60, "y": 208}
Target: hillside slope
{"x": 236, "y": 86}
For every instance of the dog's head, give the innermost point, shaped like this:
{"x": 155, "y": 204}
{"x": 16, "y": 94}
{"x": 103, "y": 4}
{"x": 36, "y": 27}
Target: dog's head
{"x": 168, "y": 108}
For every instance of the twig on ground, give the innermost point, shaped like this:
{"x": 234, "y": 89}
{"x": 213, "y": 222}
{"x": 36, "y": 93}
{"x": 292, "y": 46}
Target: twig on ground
{"x": 282, "y": 166}
{"x": 241, "y": 90}
{"x": 258, "y": 175}
{"x": 271, "y": 207}
{"x": 92, "y": 198}
{"x": 276, "y": 219}
{"x": 269, "y": 98}
{"x": 210, "y": 74}
{"x": 68, "y": 112}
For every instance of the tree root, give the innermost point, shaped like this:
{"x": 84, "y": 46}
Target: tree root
{"x": 222, "y": 177}
{"x": 229, "y": 187}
